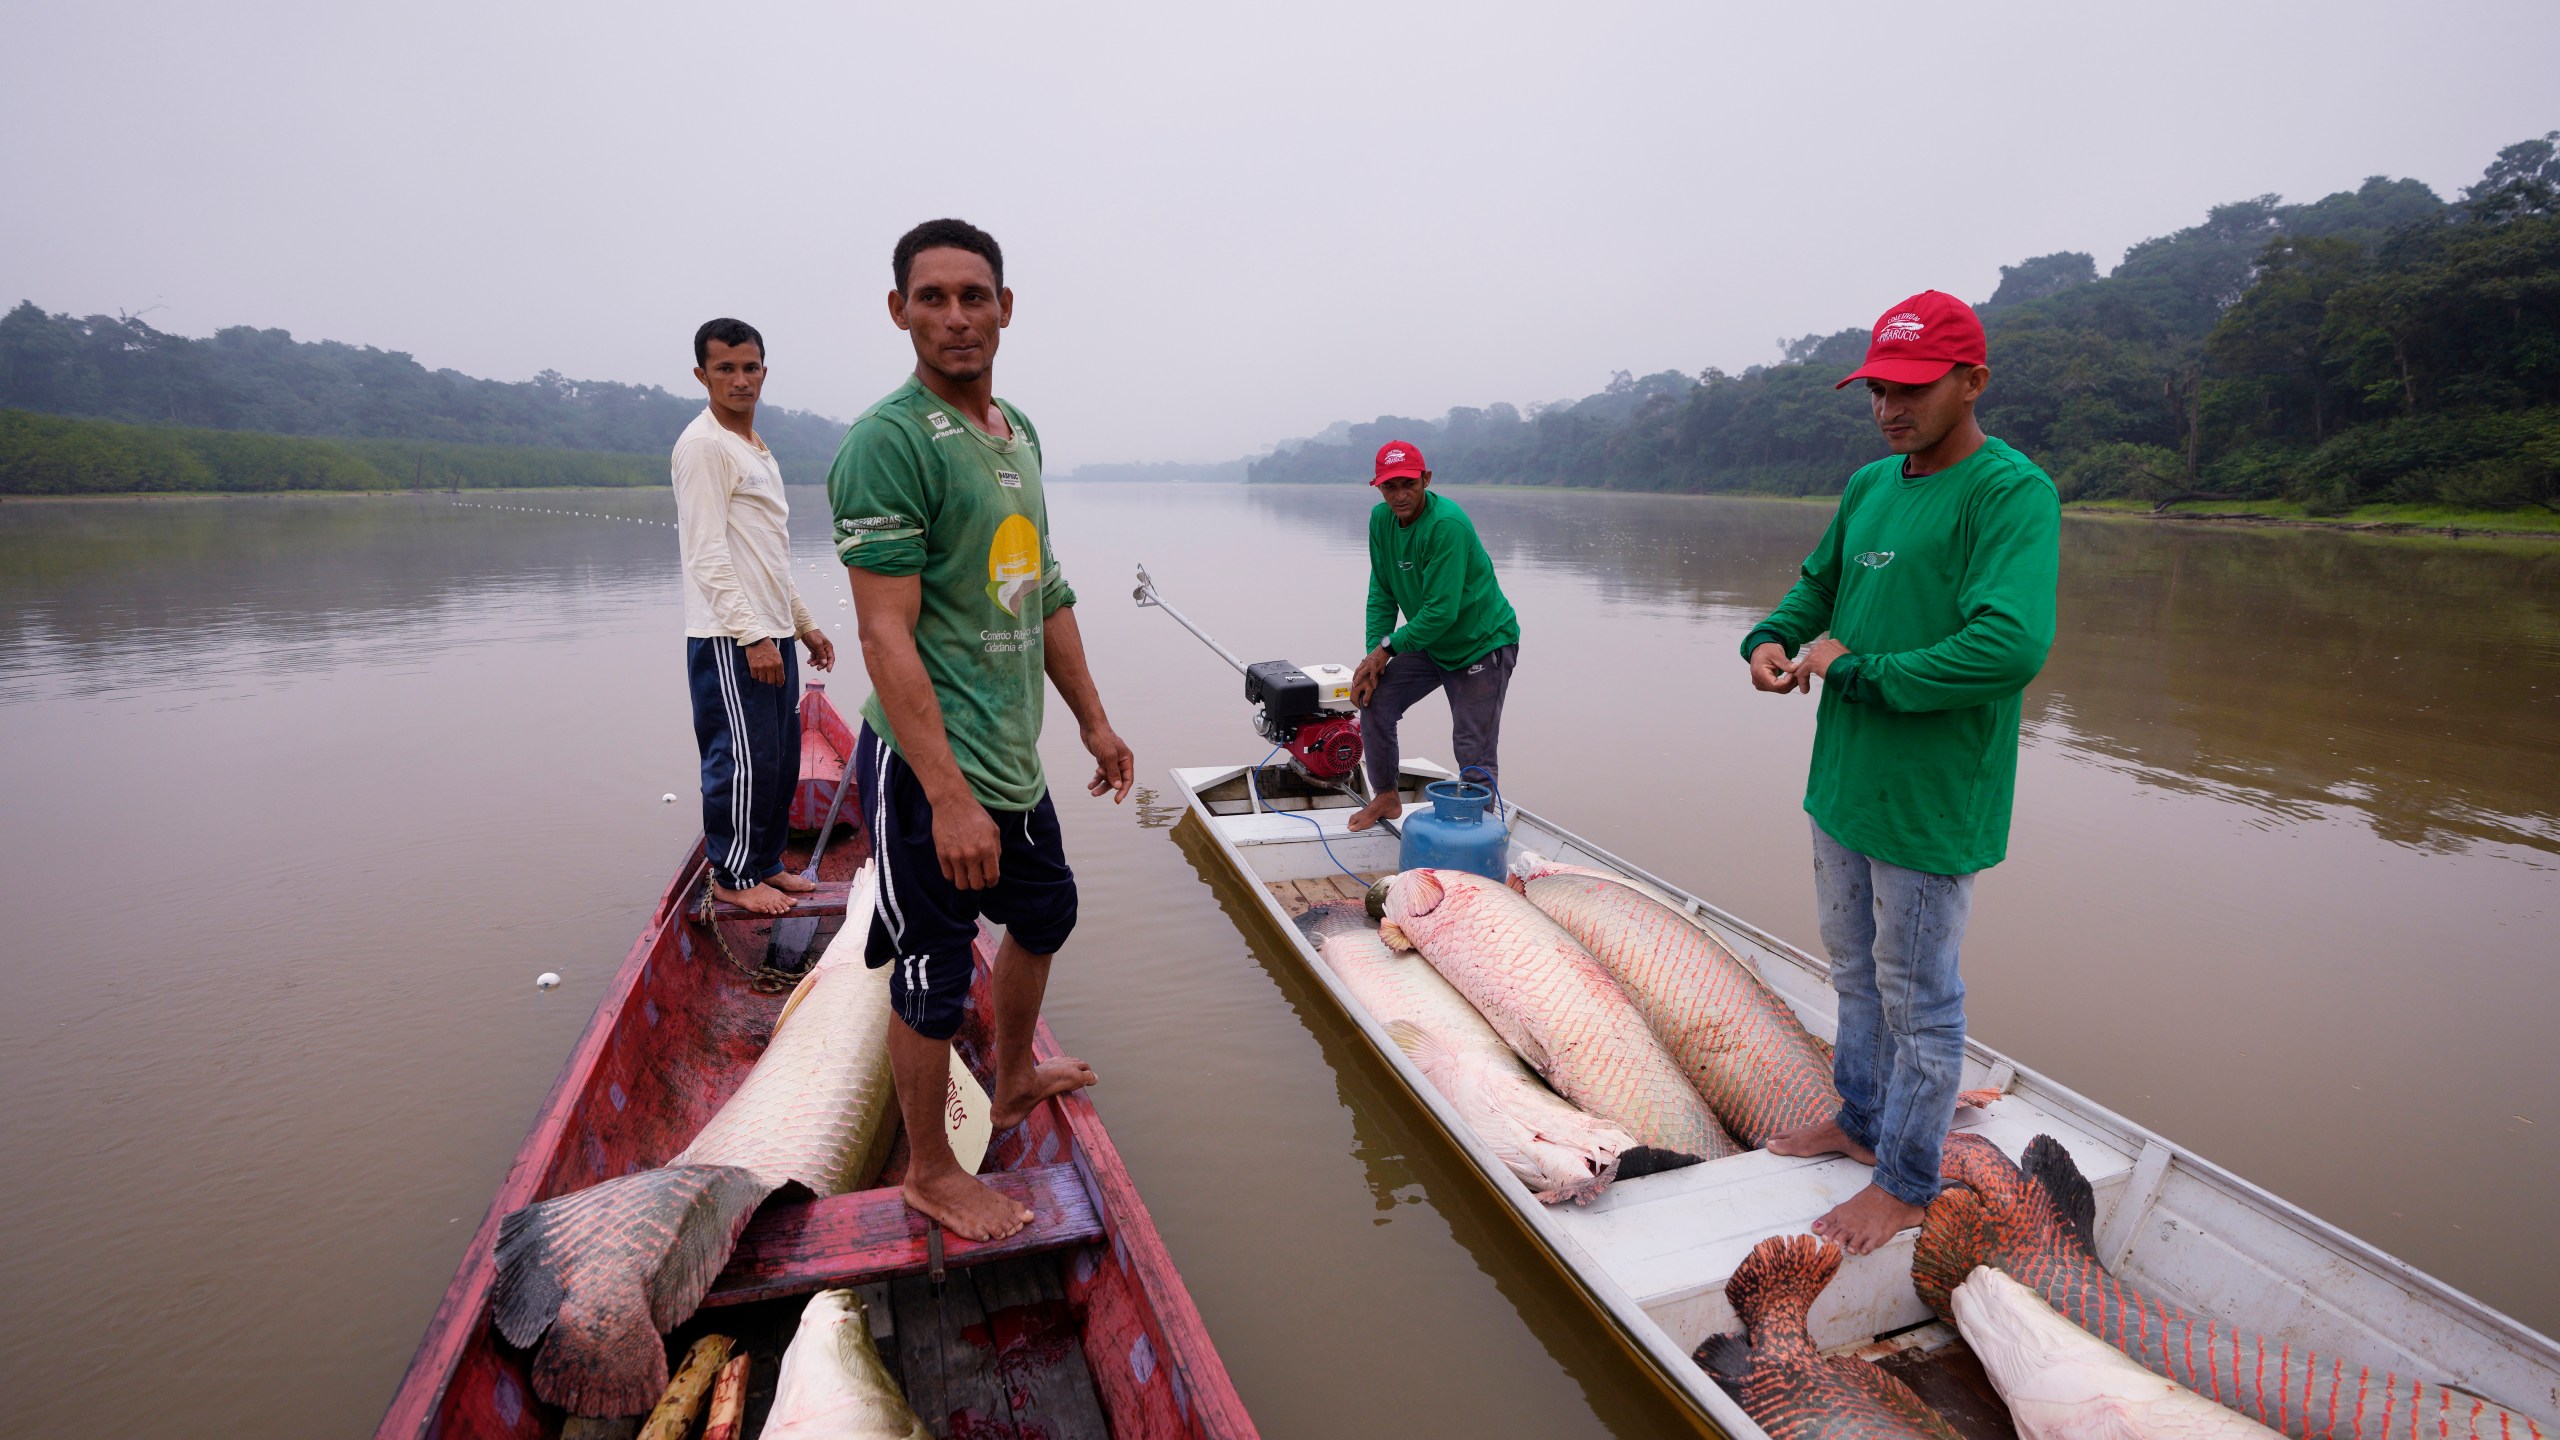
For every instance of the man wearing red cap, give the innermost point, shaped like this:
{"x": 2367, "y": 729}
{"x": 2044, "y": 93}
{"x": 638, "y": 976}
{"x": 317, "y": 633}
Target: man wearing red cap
{"x": 1935, "y": 583}
{"x": 1459, "y": 633}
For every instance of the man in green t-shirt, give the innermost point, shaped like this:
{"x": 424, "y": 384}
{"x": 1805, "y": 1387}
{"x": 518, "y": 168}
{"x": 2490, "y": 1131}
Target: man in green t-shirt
{"x": 1459, "y": 632}
{"x": 1936, "y": 584}
{"x": 963, "y": 612}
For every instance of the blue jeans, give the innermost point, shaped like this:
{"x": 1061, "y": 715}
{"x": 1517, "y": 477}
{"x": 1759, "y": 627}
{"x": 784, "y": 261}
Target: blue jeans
{"x": 1893, "y": 935}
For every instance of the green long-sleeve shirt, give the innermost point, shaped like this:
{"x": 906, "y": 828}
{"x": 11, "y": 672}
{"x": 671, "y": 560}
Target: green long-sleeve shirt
{"x": 1436, "y": 572}
{"x": 1942, "y": 587}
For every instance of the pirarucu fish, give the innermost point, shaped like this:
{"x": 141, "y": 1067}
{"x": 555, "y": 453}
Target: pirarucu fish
{"x": 2062, "y": 1383}
{"x": 1794, "y": 1390}
{"x": 2036, "y": 1223}
{"x": 1559, "y": 1152}
{"x": 599, "y": 1274}
{"x": 1551, "y": 1002}
{"x": 1741, "y": 1046}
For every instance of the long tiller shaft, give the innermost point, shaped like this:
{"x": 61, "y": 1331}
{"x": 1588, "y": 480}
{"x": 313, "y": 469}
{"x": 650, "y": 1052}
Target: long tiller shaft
{"x": 1146, "y": 594}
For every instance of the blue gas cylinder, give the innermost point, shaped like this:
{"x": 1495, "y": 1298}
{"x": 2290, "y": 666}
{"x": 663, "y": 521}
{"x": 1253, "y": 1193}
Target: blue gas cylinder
{"x": 1455, "y": 834}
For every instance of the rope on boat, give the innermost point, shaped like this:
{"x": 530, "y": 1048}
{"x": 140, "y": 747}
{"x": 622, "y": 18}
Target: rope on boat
{"x": 762, "y": 978}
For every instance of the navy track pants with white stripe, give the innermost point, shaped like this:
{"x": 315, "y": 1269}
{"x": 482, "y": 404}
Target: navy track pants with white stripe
{"x": 750, "y": 737}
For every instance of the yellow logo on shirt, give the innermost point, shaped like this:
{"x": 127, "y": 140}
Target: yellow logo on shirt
{"x": 1013, "y": 564}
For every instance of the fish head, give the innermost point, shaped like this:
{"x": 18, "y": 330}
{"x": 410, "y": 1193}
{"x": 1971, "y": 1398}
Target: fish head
{"x": 1530, "y": 865}
{"x": 833, "y": 1307}
{"x": 2010, "y": 1328}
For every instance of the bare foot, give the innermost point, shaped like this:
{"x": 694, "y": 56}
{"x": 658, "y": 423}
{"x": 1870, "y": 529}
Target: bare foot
{"x": 790, "y": 882}
{"x": 1826, "y": 1138}
{"x": 1049, "y": 1077}
{"x": 1385, "y": 807}
{"x": 757, "y": 899}
{"x": 964, "y": 1205}
{"x": 1866, "y": 1220}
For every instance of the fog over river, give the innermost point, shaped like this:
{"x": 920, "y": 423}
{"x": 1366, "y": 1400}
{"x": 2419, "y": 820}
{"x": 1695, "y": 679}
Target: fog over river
{"x": 302, "y": 794}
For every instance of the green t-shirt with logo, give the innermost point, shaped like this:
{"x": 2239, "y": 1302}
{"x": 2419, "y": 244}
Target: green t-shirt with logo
{"x": 920, "y": 489}
{"x": 1942, "y": 587}
{"x": 1435, "y": 573}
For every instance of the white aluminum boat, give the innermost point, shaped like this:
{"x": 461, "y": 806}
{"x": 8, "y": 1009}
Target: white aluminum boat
{"x": 1652, "y": 1254}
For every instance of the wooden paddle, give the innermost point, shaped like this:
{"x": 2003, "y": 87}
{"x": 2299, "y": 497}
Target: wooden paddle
{"x": 792, "y": 935}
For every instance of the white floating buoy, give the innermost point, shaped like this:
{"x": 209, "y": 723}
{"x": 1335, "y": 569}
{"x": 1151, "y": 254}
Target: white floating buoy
{"x": 547, "y": 980}
{"x": 667, "y": 799}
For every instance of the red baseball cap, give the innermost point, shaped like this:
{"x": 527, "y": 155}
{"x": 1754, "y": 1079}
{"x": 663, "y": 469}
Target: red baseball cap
{"x": 1921, "y": 339}
{"x": 1399, "y": 458}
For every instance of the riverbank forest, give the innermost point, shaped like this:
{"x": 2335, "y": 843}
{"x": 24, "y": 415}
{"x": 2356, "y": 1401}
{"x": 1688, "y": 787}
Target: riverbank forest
{"x": 107, "y": 404}
{"x": 2379, "y": 345}
{"x": 59, "y": 455}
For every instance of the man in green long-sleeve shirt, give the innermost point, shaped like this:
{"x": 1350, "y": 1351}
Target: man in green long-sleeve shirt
{"x": 1936, "y": 583}
{"x": 1459, "y": 633}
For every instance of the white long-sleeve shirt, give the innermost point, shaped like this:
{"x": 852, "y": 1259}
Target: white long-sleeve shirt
{"x": 733, "y": 530}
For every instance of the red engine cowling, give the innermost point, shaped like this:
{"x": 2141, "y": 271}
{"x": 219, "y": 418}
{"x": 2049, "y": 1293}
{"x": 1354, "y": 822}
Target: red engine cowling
{"x": 1328, "y": 749}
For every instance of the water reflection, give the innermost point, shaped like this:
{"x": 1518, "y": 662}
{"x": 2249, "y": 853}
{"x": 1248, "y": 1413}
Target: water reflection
{"x": 303, "y": 792}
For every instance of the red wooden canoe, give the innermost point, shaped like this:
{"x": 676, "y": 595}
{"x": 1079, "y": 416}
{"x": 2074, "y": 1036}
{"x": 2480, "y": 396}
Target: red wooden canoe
{"x": 1079, "y": 1329}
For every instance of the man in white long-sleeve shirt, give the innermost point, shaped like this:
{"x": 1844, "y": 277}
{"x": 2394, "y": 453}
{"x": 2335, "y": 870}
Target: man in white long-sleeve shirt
{"x": 733, "y": 529}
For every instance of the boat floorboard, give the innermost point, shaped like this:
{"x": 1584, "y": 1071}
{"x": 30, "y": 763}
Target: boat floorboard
{"x": 794, "y": 1248}
{"x": 995, "y": 1352}
{"x": 1297, "y": 897}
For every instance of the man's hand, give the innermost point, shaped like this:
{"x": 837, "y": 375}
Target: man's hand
{"x": 965, "y": 841}
{"x": 822, "y": 651}
{"x": 1114, "y": 768}
{"x": 1816, "y": 660}
{"x": 1364, "y": 681}
{"x": 764, "y": 661}
{"x": 1769, "y": 669}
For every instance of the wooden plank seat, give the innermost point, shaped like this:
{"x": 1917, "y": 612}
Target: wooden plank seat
{"x": 828, "y": 899}
{"x": 871, "y": 1235}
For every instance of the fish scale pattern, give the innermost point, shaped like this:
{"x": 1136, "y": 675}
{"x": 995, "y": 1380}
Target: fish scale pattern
{"x": 1554, "y": 1004}
{"x": 597, "y": 1275}
{"x": 1556, "y": 1150}
{"x": 2062, "y": 1383}
{"x": 814, "y": 1108}
{"x": 2035, "y": 1223}
{"x": 1793, "y": 1390}
{"x": 1741, "y": 1046}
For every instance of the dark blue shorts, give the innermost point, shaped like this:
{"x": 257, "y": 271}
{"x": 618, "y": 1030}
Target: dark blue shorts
{"x": 926, "y": 926}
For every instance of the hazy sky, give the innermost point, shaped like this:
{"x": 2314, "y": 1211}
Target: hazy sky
{"x": 1223, "y": 227}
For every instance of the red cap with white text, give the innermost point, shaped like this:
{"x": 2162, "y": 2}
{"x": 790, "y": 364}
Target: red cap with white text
{"x": 1398, "y": 458}
{"x": 1921, "y": 339}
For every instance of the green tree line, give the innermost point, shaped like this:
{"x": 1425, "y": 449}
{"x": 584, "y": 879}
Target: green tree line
{"x": 2377, "y": 344}
{"x": 243, "y": 378}
{"x": 61, "y": 455}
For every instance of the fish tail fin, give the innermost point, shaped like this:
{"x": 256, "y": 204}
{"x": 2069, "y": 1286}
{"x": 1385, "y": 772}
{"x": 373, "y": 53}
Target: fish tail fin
{"x": 1773, "y": 1289}
{"x": 1982, "y": 1099}
{"x": 1725, "y": 1358}
{"x": 2051, "y": 1168}
{"x": 599, "y": 1274}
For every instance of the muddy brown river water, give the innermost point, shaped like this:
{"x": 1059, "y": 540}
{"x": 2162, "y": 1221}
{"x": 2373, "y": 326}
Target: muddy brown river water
{"x": 301, "y": 794}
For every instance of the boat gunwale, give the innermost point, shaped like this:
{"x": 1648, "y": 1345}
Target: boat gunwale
{"x": 1609, "y": 1301}
{"x": 450, "y": 1331}
{"x": 1608, "y": 1295}
{"x": 1206, "y": 1393}
{"x": 2081, "y": 1110}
